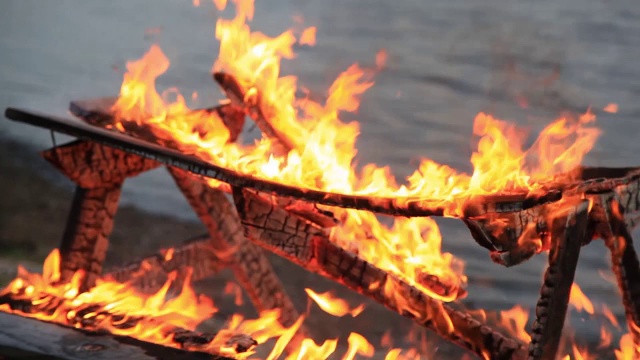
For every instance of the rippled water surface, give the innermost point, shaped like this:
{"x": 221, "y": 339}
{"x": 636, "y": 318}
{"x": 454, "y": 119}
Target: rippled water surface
{"x": 448, "y": 60}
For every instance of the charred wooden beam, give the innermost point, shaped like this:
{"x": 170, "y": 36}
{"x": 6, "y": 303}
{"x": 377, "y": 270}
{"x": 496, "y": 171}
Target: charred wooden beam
{"x": 55, "y": 341}
{"x": 568, "y": 230}
{"x": 150, "y": 273}
{"x": 400, "y": 206}
{"x": 92, "y": 166}
{"x": 86, "y": 236}
{"x": 309, "y": 246}
{"x": 249, "y": 263}
{"x": 99, "y": 173}
{"x": 625, "y": 265}
{"x": 95, "y": 318}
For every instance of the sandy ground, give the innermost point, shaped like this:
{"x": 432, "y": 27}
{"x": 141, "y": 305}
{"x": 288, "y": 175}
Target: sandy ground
{"x": 35, "y": 199}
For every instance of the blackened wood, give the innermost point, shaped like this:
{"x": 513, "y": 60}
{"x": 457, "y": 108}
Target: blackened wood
{"x": 309, "y": 246}
{"x": 568, "y": 231}
{"x": 249, "y": 263}
{"x": 625, "y": 265}
{"x": 92, "y": 165}
{"x": 86, "y": 236}
{"x": 95, "y": 317}
{"x": 150, "y": 273}
{"x": 52, "y": 340}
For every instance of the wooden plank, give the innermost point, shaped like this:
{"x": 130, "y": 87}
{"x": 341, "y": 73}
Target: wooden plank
{"x": 71, "y": 344}
{"x": 568, "y": 231}
{"x": 625, "y": 266}
{"x": 409, "y": 207}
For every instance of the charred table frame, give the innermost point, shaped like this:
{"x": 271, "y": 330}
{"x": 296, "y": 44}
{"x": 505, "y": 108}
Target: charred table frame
{"x": 278, "y": 218}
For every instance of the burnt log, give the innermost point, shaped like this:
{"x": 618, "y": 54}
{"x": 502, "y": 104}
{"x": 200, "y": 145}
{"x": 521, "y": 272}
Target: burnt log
{"x": 33, "y": 337}
{"x": 568, "y": 230}
{"x": 309, "y": 246}
{"x": 195, "y": 257}
{"x": 248, "y": 262}
{"x": 93, "y": 317}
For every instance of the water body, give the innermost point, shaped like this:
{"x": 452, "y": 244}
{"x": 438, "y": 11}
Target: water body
{"x": 448, "y": 60}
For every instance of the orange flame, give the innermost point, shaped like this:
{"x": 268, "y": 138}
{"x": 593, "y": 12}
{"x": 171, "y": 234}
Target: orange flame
{"x": 579, "y": 300}
{"x": 323, "y": 153}
{"x": 515, "y": 320}
{"x": 333, "y": 305}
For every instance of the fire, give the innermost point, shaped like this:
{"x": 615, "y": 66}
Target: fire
{"x": 109, "y": 305}
{"x": 333, "y": 305}
{"x": 579, "y": 300}
{"x": 515, "y": 320}
{"x": 322, "y": 152}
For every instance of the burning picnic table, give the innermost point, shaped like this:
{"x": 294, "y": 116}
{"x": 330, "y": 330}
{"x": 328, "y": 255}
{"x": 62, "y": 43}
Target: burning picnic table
{"x": 296, "y": 193}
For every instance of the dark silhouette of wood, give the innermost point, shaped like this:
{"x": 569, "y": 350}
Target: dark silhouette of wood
{"x": 55, "y": 341}
{"x": 567, "y": 236}
{"x": 309, "y": 246}
{"x": 90, "y": 317}
{"x": 150, "y": 273}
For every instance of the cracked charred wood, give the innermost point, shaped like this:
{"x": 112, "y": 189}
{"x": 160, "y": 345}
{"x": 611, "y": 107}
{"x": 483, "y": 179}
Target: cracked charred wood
{"x": 99, "y": 112}
{"x": 93, "y": 317}
{"x": 91, "y": 165}
{"x": 249, "y": 263}
{"x": 41, "y": 340}
{"x": 99, "y": 172}
{"x": 150, "y": 273}
{"x": 309, "y": 247}
{"x": 568, "y": 230}
{"x": 86, "y": 236}
{"x": 625, "y": 265}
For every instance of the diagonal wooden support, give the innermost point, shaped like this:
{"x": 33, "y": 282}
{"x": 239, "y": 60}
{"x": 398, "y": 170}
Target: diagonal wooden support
{"x": 99, "y": 173}
{"x": 568, "y": 230}
{"x": 248, "y": 262}
{"x": 150, "y": 273}
{"x": 625, "y": 266}
{"x": 309, "y": 246}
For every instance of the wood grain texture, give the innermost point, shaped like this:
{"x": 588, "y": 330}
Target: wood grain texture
{"x": 196, "y": 257}
{"x": 249, "y": 263}
{"x": 309, "y": 246}
{"x": 86, "y": 236}
{"x": 91, "y": 165}
{"x": 567, "y": 236}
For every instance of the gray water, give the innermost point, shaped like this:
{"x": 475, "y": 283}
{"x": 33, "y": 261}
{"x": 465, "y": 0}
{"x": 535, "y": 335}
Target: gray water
{"x": 448, "y": 60}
